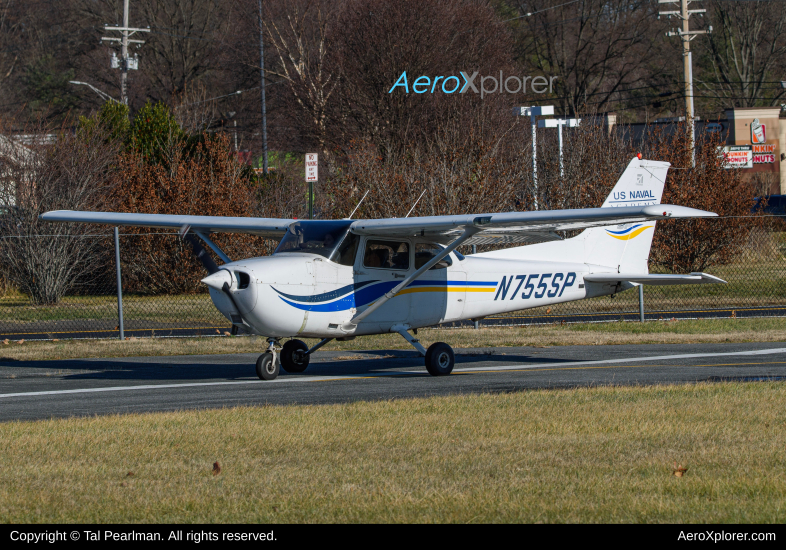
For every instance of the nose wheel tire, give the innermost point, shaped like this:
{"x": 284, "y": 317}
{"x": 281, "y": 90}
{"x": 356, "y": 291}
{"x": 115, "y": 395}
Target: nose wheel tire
{"x": 439, "y": 359}
{"x": 267, "y": 367}
{"x": 293, "y": 358}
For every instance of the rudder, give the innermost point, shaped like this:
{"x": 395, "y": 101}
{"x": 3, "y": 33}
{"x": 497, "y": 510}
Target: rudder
{"x": 626, "y": 247}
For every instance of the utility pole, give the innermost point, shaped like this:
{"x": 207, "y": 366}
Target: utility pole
{"x": 686, "y": 35}
{"x": 124, "y": 63}
{"x": 262, "y": 77}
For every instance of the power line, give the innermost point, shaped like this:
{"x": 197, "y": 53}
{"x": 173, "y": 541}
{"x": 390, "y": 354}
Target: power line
{"x": 540, "y": 11}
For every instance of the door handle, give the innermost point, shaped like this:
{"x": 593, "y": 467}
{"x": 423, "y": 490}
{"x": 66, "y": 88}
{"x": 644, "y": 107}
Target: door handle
{"x": 359, "y": 272}
{"x": 398, "y": 275}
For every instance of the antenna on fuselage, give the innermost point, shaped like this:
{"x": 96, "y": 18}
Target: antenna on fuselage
{"x": 416, "y": 203}
{"x": 358, "y": 206}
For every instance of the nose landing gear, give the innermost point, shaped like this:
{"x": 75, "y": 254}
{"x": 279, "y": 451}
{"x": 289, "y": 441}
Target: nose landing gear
{"x": 268, "y": 364}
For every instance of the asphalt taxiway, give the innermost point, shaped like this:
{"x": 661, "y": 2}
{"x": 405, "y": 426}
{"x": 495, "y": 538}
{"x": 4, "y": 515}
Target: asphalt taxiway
{"x": 85, "y": 387}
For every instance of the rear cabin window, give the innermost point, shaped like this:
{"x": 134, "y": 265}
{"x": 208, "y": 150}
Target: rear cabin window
{"x": 425, "y": 251}
{"x": 386, "y": 255}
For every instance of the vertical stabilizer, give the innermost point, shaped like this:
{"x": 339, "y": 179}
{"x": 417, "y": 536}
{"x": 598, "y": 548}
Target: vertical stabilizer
{"x": 621, "y": 248}
{"x": 626, "y": 247}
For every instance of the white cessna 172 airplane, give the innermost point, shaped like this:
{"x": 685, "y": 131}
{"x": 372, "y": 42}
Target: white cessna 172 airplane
{"x": 345, "y": 278}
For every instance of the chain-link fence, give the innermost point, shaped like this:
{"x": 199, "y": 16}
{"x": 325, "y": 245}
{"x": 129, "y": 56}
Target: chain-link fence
{"x": 756, "y": 287}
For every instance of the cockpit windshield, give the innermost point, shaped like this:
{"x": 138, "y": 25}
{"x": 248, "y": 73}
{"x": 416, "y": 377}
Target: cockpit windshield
{"x": 314, "y": 236}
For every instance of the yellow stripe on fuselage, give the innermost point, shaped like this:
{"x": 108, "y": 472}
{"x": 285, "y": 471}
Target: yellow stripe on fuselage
{"x": 443, "y": 289}
{"x": 632, "y": 234}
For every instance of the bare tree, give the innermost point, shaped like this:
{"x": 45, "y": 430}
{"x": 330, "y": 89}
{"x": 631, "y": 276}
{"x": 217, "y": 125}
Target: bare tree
{"x": 194, "y": 110}
{"x": 381, "y": 39}
{"x": 33, "y": 76}
{"x": 301, "y": 37}
{"x": 183, "y": 38}
{"x": 76, "y": 172}
{"x": 694, "y": 245}
{"x": 747, "y": 54}
{"x": 460, "y": 170}
{"x": 593, "y": 160}
{"x": 10, "y": 46}
{"x": 600, "y": 49}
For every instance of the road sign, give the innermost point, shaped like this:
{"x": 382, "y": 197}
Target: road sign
{"x": 738, "y": 156}
{"x": 312, "y": 162}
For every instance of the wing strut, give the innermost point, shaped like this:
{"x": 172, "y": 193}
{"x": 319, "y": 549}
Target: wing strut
{"x": 183, "y": 232}
{"x": 468, "y": 232}
{"x": 214, "y": 246}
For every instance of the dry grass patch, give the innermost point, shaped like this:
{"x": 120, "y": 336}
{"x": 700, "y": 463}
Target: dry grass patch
{"x": 654, "y": 332}
{"x": 583, "y": 455}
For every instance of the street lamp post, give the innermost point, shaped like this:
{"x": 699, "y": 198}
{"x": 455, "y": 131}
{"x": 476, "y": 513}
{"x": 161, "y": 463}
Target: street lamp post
{"x": 533, "y": 113}
{"x": 558, "y": 123}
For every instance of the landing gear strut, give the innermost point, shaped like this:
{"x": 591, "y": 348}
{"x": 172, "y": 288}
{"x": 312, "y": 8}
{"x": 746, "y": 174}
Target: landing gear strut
{"x": 439, "y": 356}
{"x": 268, "y": 364}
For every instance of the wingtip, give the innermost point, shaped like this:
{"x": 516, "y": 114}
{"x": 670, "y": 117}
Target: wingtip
{"x": 667, "y": 211}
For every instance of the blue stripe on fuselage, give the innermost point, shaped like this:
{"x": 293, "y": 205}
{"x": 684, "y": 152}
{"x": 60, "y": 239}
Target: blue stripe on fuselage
{"x": 363, "y": 294}
{"x": 327, "y": 296}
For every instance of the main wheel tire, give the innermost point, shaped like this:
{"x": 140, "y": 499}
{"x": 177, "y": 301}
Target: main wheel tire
{"x": 292, "y": 358}
{"x": 266, "y": 368}
{"x": 439, "y": 359}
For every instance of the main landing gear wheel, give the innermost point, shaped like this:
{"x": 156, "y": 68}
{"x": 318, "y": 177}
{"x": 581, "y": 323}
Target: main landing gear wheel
{"x": 293, "y": 358}
{"x": 439, "y": 359}
{"x": 267, "y": 366}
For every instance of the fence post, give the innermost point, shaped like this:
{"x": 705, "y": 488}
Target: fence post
{"x": 119, "y": 285}
{"x": 475, "y": 251}
{"x": 641, "y": 303}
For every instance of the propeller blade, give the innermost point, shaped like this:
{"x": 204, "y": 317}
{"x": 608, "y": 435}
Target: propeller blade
{"x": 201, "y": 253}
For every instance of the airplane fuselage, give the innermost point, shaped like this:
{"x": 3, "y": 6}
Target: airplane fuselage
{"x": 306, "y": 295}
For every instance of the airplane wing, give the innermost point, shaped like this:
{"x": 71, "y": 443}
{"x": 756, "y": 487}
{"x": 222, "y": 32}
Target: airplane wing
{"x": 653, "y": 279}
{"x": 263, "y": 227}
{"x": 507, "y": 227}
{"x": 521, "y": 227}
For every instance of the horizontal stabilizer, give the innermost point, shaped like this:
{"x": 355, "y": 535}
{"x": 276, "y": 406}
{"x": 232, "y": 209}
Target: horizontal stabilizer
{"x": 653, "y": 279}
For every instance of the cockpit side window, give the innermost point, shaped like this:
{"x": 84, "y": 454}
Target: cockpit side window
{"x": 346, "y": 251}
{"x": 386, "y": 255}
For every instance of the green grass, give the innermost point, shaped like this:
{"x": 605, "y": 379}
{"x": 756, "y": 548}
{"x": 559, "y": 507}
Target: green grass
{"x": 582, "y": 455}
{"x": 191, "y": 309}
{"x": 728, "y": 327}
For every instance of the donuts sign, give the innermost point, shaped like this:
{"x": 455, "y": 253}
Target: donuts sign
{"x": 763, "y": 152}
{"x": 758, "y": 132}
